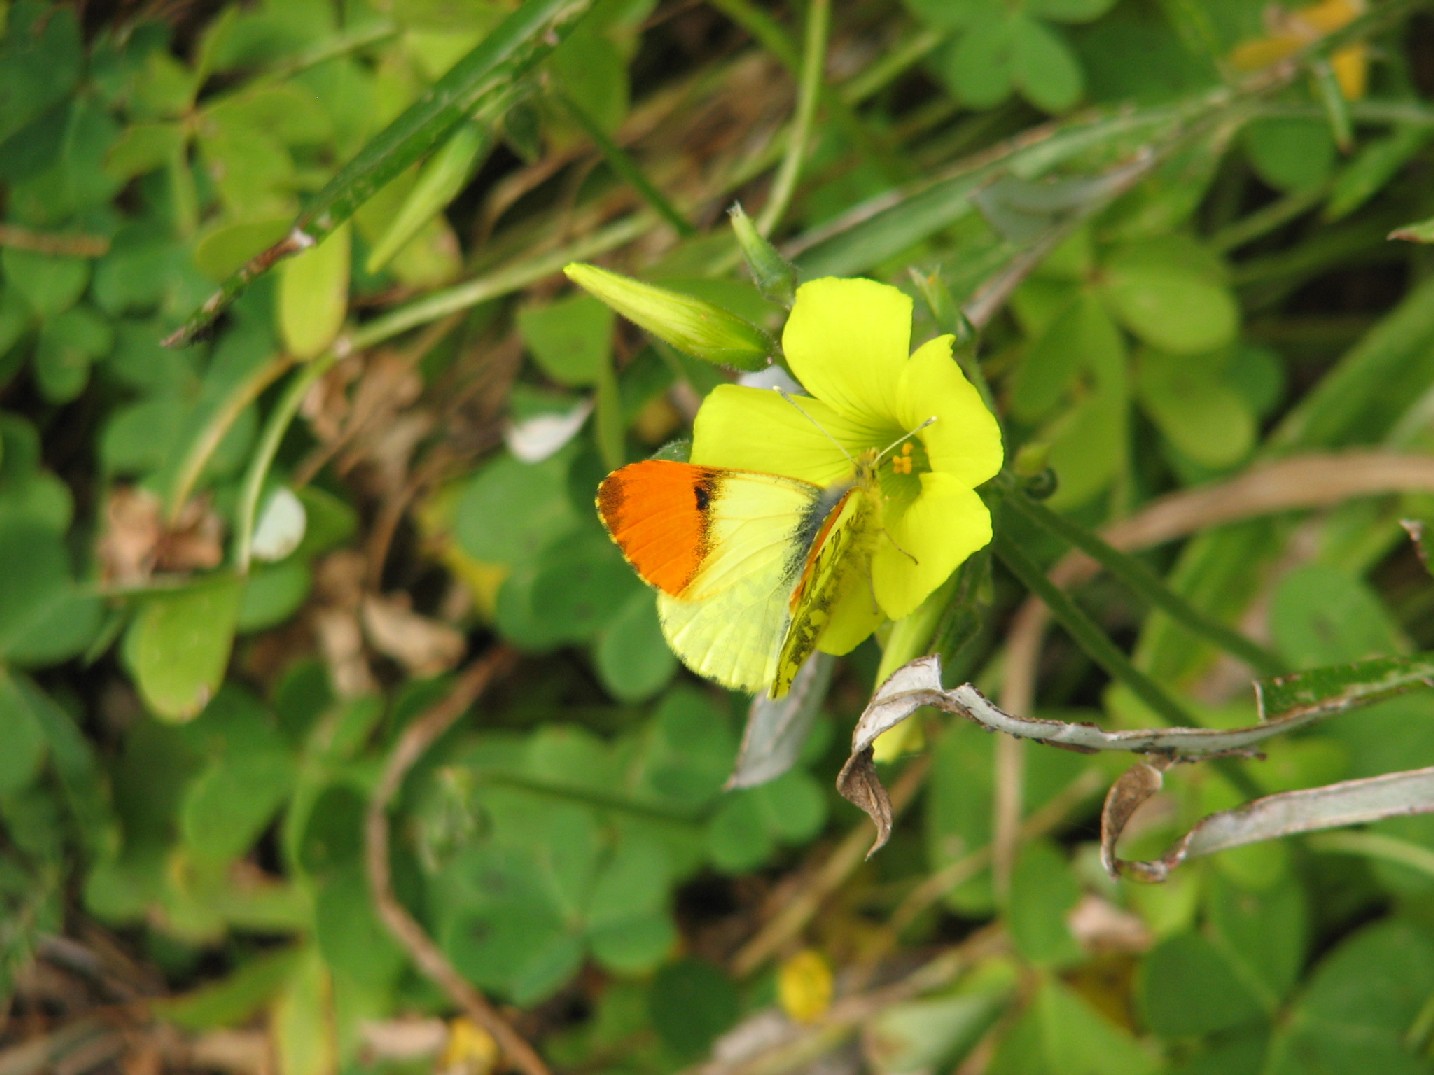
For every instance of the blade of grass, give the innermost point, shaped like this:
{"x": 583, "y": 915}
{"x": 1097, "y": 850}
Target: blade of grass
{"x": 481, "y": 85}
{"x": 809, "y": 88}
{"x": 1144, "y": 583}
{"x": 621, "y": 163}
{"x": 430, "y": 308}
{"x": 1088, "y": 634}
{"x": 768, "y": 33}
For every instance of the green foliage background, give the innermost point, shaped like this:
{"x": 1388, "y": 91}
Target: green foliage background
{"x": 234, "y": 575}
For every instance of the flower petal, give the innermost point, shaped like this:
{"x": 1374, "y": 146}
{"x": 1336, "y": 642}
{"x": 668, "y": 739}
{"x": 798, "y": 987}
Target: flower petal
{"x": 965, "y": 440}
{"x": 854, "y": 615}
{"x": 926, "y": 541}
{"x": 847, "y": 341}
{"x": 757, "y": 429}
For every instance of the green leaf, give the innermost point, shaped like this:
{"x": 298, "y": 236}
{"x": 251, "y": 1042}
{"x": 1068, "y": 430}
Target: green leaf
{"x": 252, "y": 170}
{"x": 510, "y": 511}
{"x": 567, "y": 596}
{"x": 22, "y": 732}
{"x": 589, "y": 68}
{"x": 1293, "y": 155}
{"x": 234, "y": 799}
{"x": 1080, "y": 334}
{"x": 947, "y": 14}
{"x": 518, "y": 943}
{"x": 76, "y": 181}
{"x": 163, "y": 86}
{"x": 224, "y": 245}
{"x": 141, "y": 437}
{"x": 144, "y": 147}
{"x": 284, "y": 111}
{"x": 441, "y": 179}
{"x": 314, "y": 295}
{"x": 1263, "y": 934}
{"x": 49, "y": 283}
{"x": 737, "y": 838}
{"x": 1044, "y": 68}
{"x": 231, "y": 1001}
{"x": 1043, "y": 893}
{"x": 1343, "y": 686}
{"x": 354, "y": 943}
{"x": 691, "y": 1002}
{"x": 68, "y": 344}
{"x": 688, "y": 750}
{"x": 45, "y": 616}
{"x": 1361, "y": 1003}
{"x": 330, "y": 834}
{"x": 41, "y": 60}
{"x": 750, "y": 822}
{"x": 31, "y": 495}
{"x": 1194, "y": 407}
{"x": 1188, "y": 987}
{"x": 482, "y": 85}
{"x": 1321, "y": 614}
{"x": 301, "y": 1023}
{"x": 1164, "y": 294}
{"x": 632, "y": 658}
{"x": 571, "y": 339}
{"x": 1069, "y": 10}
{"x": 272, "y": 594}
{"x": 1061, "y": 1034}
{"x": 1089, "y": 447}
{"x": 627, "y": 923}
{"x": 980, "y": 67}
{"x": 145, "y": 269}
{"x": 1372, "y": 169}
{"x": 179, "y": 645}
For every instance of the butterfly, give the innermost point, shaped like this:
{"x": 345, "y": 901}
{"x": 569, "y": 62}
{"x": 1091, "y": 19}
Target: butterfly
{"x": 747, "y": 564}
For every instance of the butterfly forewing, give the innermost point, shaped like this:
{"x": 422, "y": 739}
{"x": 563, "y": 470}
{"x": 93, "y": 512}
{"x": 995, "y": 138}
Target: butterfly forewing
{"x": 747, "y": 563}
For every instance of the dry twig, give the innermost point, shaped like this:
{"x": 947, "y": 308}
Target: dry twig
{"x": 415, "y": 741}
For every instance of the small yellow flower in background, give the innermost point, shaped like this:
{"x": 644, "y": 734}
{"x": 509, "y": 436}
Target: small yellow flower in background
{"x": 848, "y": 343}
{"x": 470, "y": 1050}
{"x": 1291, "y": 30}
{"x": 804, "y": 986}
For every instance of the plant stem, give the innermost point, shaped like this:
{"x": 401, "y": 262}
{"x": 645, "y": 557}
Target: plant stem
{"x": 814, "y": 52}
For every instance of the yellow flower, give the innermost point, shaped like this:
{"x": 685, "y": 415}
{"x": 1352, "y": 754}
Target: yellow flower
{"x": 1290, "y": 31}
{"x": 847, "y": 341}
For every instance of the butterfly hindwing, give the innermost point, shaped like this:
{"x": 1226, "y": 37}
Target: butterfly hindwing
{"x": 727, "y": 549}
{"x": 836, "y": 549}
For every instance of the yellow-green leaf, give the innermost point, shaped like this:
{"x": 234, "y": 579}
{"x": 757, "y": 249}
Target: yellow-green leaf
{"x": 314, "y": 295}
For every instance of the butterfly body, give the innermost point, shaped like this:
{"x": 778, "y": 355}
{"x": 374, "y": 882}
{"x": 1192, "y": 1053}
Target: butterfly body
{"x": 746, "y": 564}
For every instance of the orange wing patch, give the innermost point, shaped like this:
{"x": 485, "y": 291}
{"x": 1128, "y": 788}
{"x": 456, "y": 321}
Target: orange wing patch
{"x": 656, "y": 511}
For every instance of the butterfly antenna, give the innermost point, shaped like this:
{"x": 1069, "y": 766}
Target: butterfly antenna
{"x": 899, "y": 441}
{"x": 800, "y": 410}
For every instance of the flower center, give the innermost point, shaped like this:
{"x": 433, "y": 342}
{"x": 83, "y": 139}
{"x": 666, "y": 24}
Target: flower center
{"x": 900, "y": 472}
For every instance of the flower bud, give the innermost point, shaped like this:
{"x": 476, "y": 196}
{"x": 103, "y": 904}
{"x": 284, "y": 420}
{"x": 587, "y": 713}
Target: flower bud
{"x": 691, "y": 325}
{"x": 776, "y": 277}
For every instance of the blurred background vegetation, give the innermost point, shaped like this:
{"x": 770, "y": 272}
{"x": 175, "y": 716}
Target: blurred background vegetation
{"x": 331, "y": 722}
